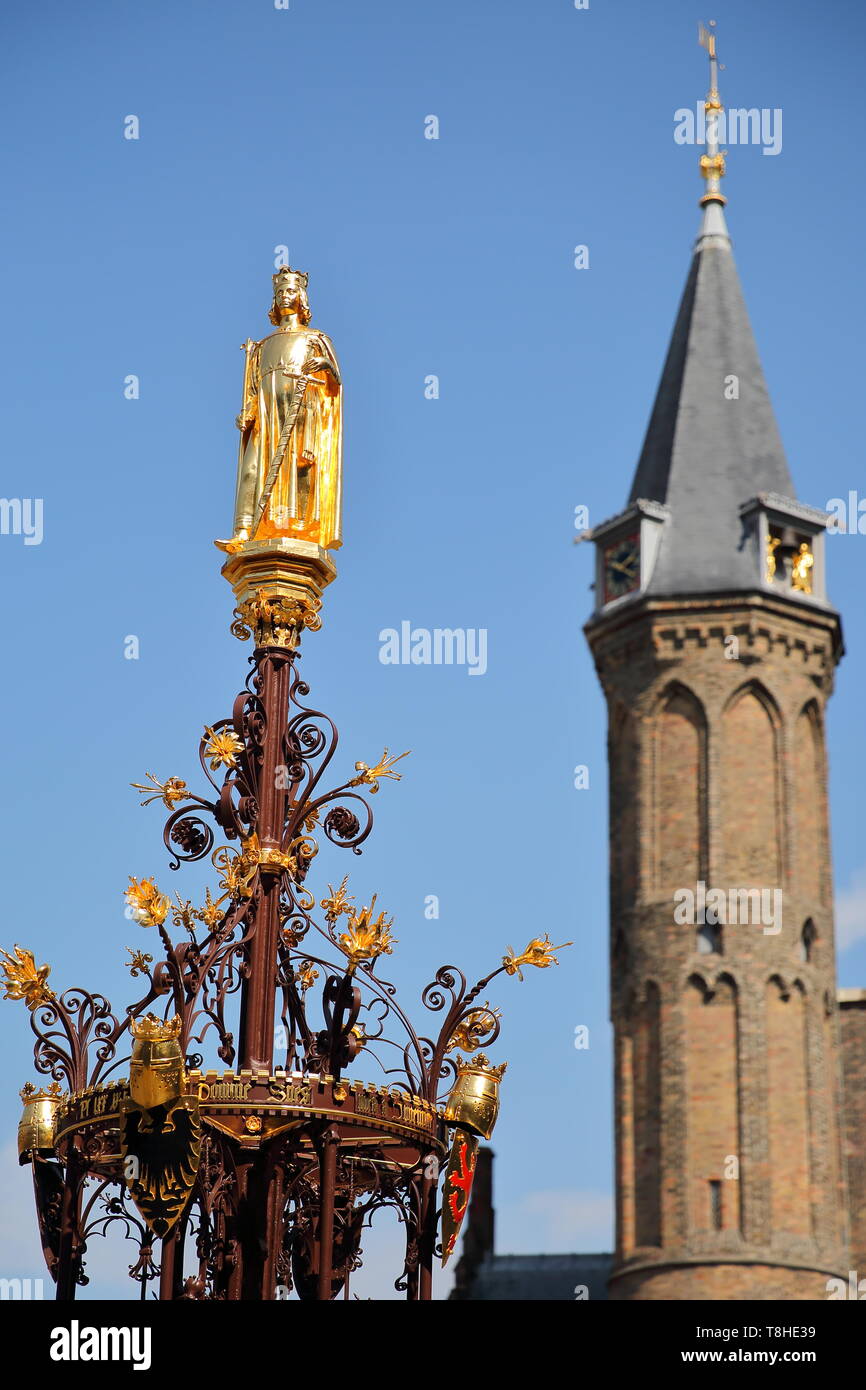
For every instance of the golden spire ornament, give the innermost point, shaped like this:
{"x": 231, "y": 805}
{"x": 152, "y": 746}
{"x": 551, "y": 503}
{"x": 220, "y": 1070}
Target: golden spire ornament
{"x": 713, "y": 162}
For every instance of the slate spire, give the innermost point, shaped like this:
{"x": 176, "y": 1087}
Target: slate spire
{"x": 712, "y": 442}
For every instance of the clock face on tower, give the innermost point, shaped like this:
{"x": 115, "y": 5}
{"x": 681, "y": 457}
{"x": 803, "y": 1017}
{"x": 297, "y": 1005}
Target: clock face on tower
{"x": 621, "y": 567}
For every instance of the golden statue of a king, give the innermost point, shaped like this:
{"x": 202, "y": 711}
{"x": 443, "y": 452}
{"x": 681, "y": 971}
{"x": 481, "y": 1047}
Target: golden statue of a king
{"x": 290, "y": 457}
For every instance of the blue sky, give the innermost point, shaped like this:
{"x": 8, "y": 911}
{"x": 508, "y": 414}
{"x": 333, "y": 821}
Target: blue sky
{"x": 454, "y": 257}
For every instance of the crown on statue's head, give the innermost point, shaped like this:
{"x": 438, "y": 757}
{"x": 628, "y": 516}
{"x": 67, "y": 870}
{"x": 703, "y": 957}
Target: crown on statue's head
{"x": 156, "y": 1029}
{"x": 285, "y": 272}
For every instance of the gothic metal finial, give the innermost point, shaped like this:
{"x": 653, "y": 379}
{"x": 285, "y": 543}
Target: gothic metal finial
{"x": 713, "y": 161}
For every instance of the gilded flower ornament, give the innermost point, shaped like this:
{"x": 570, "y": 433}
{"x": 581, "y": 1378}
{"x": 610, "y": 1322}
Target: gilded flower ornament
{"x": 306, "y": 976}
{"x": 168, "y": 792}
{"x": 475, "y": 1029}
{"x": 22, "y": 979}
{"x": 237, "y": 871}
{"x": 337, "y": 902}
{"x": 148, "y": 906}
{"x": 212, "y": 912}
{"x": 371, "y": 776}
{"x": 222, "y": 749}
{"x": 539, "y": 952}
{"x": 366, "y": 937}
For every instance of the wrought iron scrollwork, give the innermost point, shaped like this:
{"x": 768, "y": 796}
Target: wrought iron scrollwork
{"x": 241, "y": 968}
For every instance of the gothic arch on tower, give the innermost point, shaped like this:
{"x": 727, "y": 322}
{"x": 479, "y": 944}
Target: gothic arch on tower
{"x": 813, "y": 710}
{"x": 751, "y": 792}
{"x": 679, "y": 780}
{"x": 647, "y": 1116}
{"x": 809, "y": 811}
{"x": 711, "y": 1012}
{"x": 787, "y": 1110}
{"x": 622, "y": 770}
{"x": 695, "y": 980}
{"x": 755, "y": 687}
{"x": 780, "y": 984}
{"x": 726, "y": 978}
{"x": 786, "y": 987}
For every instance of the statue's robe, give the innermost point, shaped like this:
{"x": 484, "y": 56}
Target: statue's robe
{"x": 306, "y": 500}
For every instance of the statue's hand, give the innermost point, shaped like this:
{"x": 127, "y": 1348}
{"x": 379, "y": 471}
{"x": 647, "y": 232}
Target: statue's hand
{"x": 323, "y": 364}
{"x": 243, "y": 422}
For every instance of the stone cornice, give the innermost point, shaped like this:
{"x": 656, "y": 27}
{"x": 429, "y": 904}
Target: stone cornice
{"x": 765, "y": 627}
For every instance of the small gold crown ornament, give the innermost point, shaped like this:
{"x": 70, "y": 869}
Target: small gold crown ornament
{"x": 156, "y": 1073}
{"x": 473, "y": 1104}
{"x": 38, "y": 1123}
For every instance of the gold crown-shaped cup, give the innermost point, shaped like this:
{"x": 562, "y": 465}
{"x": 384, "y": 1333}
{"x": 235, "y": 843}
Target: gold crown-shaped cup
{"x": 473, "y": 1104}
{"x": 38, "y": 1123}
{"x": 156, "y": 1072}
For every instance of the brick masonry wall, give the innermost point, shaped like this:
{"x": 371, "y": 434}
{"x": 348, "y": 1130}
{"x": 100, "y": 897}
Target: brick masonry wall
{"x": 852, "y": 1009}
{"x": 722, "y": 1283}
{"x": 720, "y": 763}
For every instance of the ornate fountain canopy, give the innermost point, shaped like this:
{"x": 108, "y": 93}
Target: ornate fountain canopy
{"x": 267, "y": 1092}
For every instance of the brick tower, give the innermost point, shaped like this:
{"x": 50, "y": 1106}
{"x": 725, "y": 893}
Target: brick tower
{"x": 716, "y": 647}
